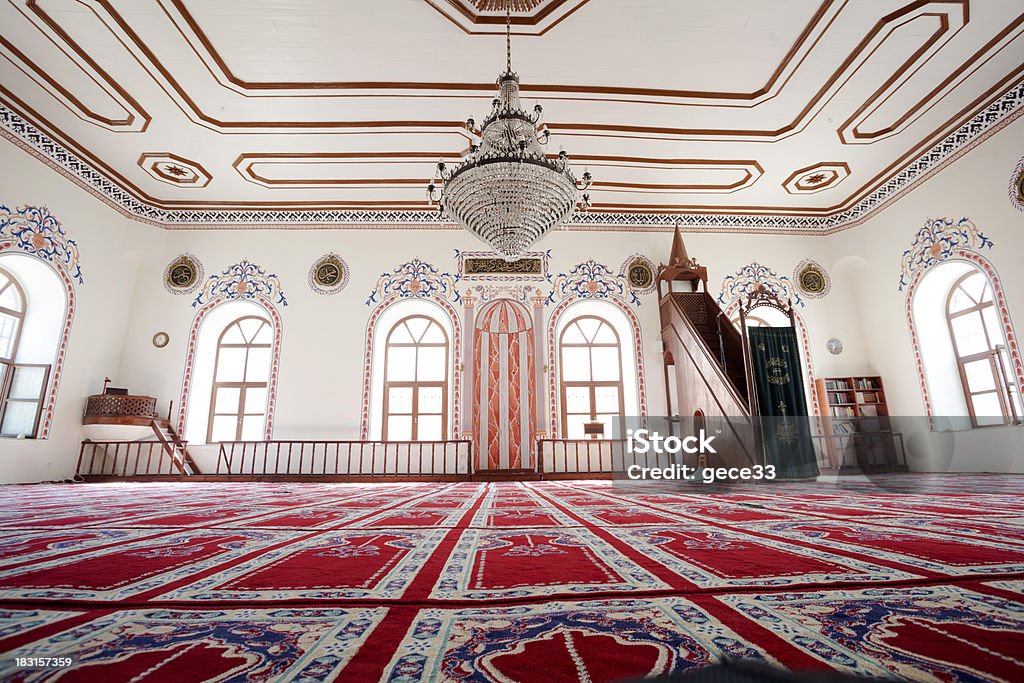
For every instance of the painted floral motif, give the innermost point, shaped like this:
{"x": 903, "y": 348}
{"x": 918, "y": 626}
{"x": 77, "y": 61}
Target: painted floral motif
{"x": 939, "y": 239}
{"x": 489, "y": 292}
{"x": 591, "y": 280}
{"x": 35, "y": 230}
{"x": 415, "y": 280}
{"x": 244, "y": 280}
{"x": 1017, "y": 186}
{"x": 747, "y": 279}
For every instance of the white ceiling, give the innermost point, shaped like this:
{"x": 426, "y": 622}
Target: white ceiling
{"x": 798, "y": 107}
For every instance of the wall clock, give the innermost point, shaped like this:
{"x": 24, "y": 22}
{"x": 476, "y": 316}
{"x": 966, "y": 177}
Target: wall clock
{"x": 160, "y": 339}
{"x": 834, "y": 346}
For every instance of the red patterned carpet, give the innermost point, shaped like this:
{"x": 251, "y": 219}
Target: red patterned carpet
{"x": 922, "y": 579}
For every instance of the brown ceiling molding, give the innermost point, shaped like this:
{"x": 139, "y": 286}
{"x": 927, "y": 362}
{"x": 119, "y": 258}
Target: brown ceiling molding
{"x": 175, "y": 170}
{"x": 873, "y": 183}
{"x": 850, "y": 132}
{"x": 565, "y": 128}
{"x": 530, "y": 17}
{"x": 816, "y": 177}
{"x": 135, "y": 121}
{"x": 808, "y": 38}
{"x": 881, "y": 31}
{"x": 245, "y": 165}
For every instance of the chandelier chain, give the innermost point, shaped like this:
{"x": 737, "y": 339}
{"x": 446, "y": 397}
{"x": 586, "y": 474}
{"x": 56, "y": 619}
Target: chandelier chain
{"x": 508, "y": 36}
{"x": 506, "y": 190}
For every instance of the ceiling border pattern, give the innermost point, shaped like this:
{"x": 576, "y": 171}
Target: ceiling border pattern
{"x": 994, "y": 117}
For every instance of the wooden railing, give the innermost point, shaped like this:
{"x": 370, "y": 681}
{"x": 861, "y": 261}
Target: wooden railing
{"x": 128, "y": 459}
{"x": 356, "y": 459}
{"x": 880, "y": 450}
{"x": 570, "y": 458}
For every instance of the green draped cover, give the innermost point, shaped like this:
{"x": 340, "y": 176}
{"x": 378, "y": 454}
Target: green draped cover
{"x": 785, "y": 426}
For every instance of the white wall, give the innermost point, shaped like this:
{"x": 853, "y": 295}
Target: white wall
{"x": 123, "y": 302}
{"x": 975, "y": 186}
{"x": 323, "y": 336}
{"x": 111, "y": 247}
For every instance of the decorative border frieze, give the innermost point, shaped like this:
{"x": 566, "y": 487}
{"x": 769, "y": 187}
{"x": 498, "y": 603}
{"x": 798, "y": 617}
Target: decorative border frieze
{"x": 998, "y": 114}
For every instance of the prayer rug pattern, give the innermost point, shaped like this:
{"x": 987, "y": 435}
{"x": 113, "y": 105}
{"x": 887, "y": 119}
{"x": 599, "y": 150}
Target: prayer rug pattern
{"x": 919, "y": 577}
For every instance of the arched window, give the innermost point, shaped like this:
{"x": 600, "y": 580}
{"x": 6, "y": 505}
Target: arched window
{"x": 25, "y": 368}
{"x": 590, "y": 363}
{"x": 238, "y": 402}
{"x": 415, "y": 380}
{"x": 12, "y": 315}
{"x": 979, "y": 347}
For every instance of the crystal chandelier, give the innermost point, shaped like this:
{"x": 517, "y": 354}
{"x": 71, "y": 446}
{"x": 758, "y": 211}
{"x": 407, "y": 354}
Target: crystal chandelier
{"x": 506, "y": 190}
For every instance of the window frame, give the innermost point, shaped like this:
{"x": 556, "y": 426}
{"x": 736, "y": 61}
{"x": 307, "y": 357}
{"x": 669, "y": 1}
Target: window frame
{"x": 5, "y": 400}
{"x": 242, "y": 386}
{"x": 415, "y": 384}
{"x": 1002, "y": 384}
{"x": 592, "y": 385}
{"x": 19, "y": 315}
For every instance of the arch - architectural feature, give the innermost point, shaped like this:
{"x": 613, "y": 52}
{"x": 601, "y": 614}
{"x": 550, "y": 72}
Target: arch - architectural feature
{"x": 187, "y": 382}
{"x": 747, "y": 280}
{"x": 805, "y": 348}
{"x": 967, "y": 254}
{"x": 34, "y": 231}
{"x": 452, "y": 323}
{"x": 553, "y": 367}
{"x": 504, "y": 385}
{"x": 415, "y": 401}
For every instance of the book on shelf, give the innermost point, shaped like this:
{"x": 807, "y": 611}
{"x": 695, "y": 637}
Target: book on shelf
{"x": 842, "y": 428}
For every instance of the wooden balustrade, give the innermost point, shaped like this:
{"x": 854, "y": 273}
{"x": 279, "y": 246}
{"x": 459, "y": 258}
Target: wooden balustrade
{"x": 129, "y": 459}
{"x": 451, "y": 459}
{"x": 864, "y": 451}
{"x": 578, "y": 458}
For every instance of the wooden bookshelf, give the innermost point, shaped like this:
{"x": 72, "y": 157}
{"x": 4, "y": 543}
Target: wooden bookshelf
{"x": 856, "y": 423}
